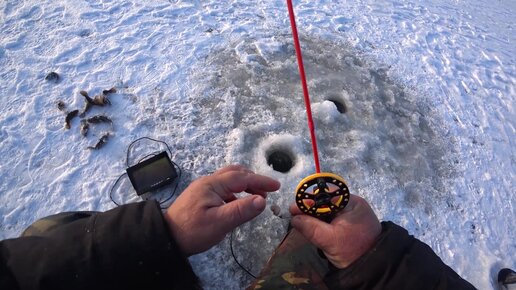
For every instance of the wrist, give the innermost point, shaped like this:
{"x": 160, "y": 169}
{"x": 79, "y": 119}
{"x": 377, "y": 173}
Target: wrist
{"x": 367, "y": 244}
{"x": 174, "y": 231}
{"x": 377, "y": 234}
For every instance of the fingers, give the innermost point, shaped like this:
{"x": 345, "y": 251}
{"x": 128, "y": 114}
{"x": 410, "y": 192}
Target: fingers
{"x": 294, "y": 209}
{"x": 240, "y": 211}
{"x": 227, "y": 183}
{"x": 355, "y": 201}
{"x": 233, "y": 167}
{"x": 240, "y": 168}
{"x": 316, "y": 231}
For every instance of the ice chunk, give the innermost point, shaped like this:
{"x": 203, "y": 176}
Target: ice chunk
{"x": 326, "y": 111}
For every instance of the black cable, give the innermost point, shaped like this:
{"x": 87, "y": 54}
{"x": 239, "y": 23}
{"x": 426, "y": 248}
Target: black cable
{"x": 113, "y": 187}
{"x": 234, "y": 257}
{"x": 145, "y": 157}
{"x": 139, "y": 139}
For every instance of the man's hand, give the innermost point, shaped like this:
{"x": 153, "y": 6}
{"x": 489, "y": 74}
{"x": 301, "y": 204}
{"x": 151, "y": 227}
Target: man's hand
{"x": 350, "y": 234}
{"x": 208, "y": 209}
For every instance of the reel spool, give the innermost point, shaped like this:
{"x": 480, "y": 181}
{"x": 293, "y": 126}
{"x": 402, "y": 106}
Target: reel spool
{"x": 322, "y": 195}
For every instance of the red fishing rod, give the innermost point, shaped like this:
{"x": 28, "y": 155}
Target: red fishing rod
{"x": 301, "y": 66}
{"x": 320, "y": 195}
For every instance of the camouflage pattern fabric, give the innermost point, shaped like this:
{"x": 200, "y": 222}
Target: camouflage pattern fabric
{"x": 296, "y": 264}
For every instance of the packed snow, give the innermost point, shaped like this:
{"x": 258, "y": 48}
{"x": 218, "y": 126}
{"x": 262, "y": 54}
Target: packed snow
{"x": 412, "y": 101}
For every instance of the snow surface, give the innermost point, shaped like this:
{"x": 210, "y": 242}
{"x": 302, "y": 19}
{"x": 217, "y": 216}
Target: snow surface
{"x": 427, "y": 138}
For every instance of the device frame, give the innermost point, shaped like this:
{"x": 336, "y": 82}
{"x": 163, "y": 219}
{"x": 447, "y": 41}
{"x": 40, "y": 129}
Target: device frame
{"x": 139, "y": 191}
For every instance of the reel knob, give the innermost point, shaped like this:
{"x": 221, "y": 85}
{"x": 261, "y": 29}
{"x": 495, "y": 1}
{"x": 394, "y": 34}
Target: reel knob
{"x": 322, "y": 195}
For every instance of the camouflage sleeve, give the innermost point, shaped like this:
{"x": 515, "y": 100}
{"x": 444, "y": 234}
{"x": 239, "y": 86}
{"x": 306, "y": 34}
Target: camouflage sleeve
{"x": 295, "y": 264}
{"x": 398, "y": 261}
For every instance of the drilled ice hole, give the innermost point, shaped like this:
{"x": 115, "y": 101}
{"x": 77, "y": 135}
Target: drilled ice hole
{"x": 280, "y": 160}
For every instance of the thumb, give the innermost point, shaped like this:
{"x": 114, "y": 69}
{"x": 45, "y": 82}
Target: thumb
{"x": 240, "y": 211}
{"x": 316, "y": 231}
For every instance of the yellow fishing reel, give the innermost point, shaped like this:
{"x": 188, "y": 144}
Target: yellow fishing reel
{"x": 322, "y": 195}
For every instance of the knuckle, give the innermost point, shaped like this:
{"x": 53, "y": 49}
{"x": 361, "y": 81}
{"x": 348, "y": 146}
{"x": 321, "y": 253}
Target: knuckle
{"x": 359, "y": 200}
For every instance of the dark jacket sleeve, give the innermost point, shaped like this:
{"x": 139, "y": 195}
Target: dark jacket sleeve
{"x": 398, "y": 261}
{"x": 129, "y": 247}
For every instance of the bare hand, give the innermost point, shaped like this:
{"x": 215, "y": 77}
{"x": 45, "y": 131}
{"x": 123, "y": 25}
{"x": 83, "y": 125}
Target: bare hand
{"x": 207, "y": 209}
{"x": 350, "y": 234}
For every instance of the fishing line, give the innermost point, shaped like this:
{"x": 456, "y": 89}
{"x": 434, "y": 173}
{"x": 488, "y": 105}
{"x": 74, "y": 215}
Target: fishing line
{"x": 234, "y": 257}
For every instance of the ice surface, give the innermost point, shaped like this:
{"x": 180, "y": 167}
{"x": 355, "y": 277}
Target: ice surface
{"x": 427, "y": 137}
{"x": 389, "y": 139}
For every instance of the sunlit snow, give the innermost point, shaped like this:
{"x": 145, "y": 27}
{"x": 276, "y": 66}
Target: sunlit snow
{"x": 426, "y": 134}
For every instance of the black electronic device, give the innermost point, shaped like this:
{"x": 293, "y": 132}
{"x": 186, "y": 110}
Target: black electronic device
{"x": 152, "y": 173}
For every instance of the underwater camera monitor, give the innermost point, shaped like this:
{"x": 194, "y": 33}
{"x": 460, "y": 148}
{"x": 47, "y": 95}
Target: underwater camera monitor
{"x": 152, "y": 173}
